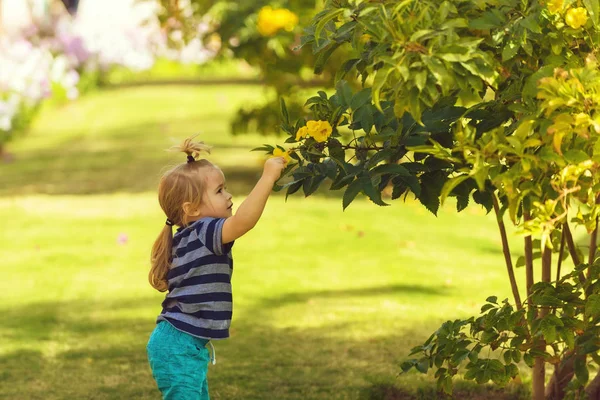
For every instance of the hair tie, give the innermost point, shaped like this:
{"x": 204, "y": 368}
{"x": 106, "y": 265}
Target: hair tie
{"x": 169, "y": 222}
{"x": 190, "y": 159}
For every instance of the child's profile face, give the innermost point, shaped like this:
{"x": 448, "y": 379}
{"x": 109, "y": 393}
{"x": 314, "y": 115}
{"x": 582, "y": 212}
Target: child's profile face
{"x": 216, "y": 201}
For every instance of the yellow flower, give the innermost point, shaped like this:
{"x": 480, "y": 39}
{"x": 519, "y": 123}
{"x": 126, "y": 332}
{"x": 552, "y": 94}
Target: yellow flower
{"x": 270, "y": 21}
{"x": 319, "y": 130}
{"x": 364, "y": 38}
{"x": 302, "y": 133}
{"x": 555, "y": 6}
{"x": 576, "y": 17}
{"x": 282, "y": 153}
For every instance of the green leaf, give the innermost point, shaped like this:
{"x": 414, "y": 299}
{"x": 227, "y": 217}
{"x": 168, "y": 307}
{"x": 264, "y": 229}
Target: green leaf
{"x": 373, "y": 194}
{"x": 395, "y": 169}
{"x": 548, "y": 330}
{"x": 593, "y": 8}
{"x": 420, "y": 78}
{"x": 592, "y": 306}
{"x": 492, "y": 299}
{"x": 329, "y": 16}
{"x": 581, "y": 371}
{"x": 361, "y": 98}
{"x": 569, "y": 337}
{"x": 576, "y": 156}
{"x": 352, "y": 191}
{"x": 489, "y": 20}
{"x": 407, "y": 365}
{"x": 431, "y": 186}
{"x": 324, "y": 56}
{"x": 531, "y": 23}
{"x": 344, "y": 92}
{"x": 293, "y": 188}
{"x": 312, "y": 184}
{"x": 266, "y": 147}
{"x": 284, "y": 111}
{"x": 345, "y": 68}
{"x": 423, "y": 365}
{"x": 510, "y": 50}
{"x": 378, "y": 83}
{"x": 450, "y": 185}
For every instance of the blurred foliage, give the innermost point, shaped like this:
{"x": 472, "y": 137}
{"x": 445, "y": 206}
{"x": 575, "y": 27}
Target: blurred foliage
{"x": 267, "y": 35}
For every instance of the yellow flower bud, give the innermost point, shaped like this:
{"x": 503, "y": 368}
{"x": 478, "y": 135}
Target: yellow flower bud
{"x": 282, "y": 153}
{"x": 576, "y": 17}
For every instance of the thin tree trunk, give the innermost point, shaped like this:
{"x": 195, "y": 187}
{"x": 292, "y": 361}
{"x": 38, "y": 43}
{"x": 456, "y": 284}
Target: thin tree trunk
{"x": 593, "y": 388}
{"x": 506, "y": 251}
{"x": 539, "y": 366}
{"x": 564, "y": 372}
{"x": 593, "y": 244}
{"x": 572, "y": 249}
{"x": 560, "y": 254}
{"x": 528, "y": 258}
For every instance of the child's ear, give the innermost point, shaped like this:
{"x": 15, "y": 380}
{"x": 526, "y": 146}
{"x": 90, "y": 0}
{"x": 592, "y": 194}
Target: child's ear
{"x": 189, "y": 210}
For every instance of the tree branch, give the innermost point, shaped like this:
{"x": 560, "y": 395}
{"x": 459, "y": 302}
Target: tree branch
{"x": 506, "y": 251}
{"x": 572, "y": 249}
{"x": 593, "y": 244}
{"x": 528, "y": 258}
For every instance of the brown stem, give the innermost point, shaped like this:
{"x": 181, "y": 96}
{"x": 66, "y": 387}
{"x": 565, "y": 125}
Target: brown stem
{"x": 593, "y": 244}
{"x": 506, "y": 251}
{"x": 539, "y": 366}
{"x": 593, "y": 388}
{"x": 528, "y": 258}
{"x": 560, "y": 255}
{"x": 572, "y": 249}
{"x": 563, "y": 373}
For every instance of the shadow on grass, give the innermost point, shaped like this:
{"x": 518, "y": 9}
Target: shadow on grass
{"x": 303, "y": 297}
{"x": 89, "y": 350}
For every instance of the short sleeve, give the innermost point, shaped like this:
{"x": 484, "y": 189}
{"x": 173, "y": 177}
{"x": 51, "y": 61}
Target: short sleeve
{"x": 210, "y": 233}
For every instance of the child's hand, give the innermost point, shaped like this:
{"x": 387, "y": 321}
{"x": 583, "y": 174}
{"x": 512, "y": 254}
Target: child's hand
{"x": 273, "y": 168}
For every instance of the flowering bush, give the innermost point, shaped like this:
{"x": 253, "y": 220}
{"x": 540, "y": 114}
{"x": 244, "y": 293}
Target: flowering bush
{"x": 494, "y": 102}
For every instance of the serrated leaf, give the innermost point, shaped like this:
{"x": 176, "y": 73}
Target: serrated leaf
{"x": 449, "y": 185}
{"x": 373, "y": 194}
{"x": 592, "y": 306}
{"x": 351, "y": 192}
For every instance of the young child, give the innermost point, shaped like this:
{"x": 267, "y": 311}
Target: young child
{"x": 195, "y": 266}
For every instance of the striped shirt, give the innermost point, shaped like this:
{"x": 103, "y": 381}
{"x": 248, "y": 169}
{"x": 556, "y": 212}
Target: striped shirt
{"x": 199, "y": 301}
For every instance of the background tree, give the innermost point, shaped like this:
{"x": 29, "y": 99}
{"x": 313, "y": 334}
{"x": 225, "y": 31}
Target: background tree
{"x": 266, "y": 34}
{"x": 490, "y": 100}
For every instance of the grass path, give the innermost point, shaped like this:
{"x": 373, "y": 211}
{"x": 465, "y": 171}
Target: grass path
{"x": 327, "y": 303}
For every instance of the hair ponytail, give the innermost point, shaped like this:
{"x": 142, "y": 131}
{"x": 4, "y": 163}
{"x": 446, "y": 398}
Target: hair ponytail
{"x": 181, "y": 184}
{"x": 160, "y": 259}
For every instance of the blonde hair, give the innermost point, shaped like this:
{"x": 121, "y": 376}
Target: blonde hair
{"x": 181, "y": 184}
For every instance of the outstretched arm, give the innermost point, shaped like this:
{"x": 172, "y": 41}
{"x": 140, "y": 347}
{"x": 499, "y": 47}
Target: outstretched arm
{"x": 252, "y": 208}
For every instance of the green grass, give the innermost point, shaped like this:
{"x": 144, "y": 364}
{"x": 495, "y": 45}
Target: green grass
{"x": 327, "y": 303}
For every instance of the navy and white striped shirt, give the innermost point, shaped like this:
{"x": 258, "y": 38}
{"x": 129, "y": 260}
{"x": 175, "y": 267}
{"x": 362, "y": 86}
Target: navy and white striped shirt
{"x": 199, "y": 301}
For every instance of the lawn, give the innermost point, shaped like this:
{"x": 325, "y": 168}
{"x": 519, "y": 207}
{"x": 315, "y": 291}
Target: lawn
{"x": 327, "y": 303}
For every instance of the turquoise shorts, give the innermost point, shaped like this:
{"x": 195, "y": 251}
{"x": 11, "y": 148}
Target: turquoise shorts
{"x": 179, "y": 363}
